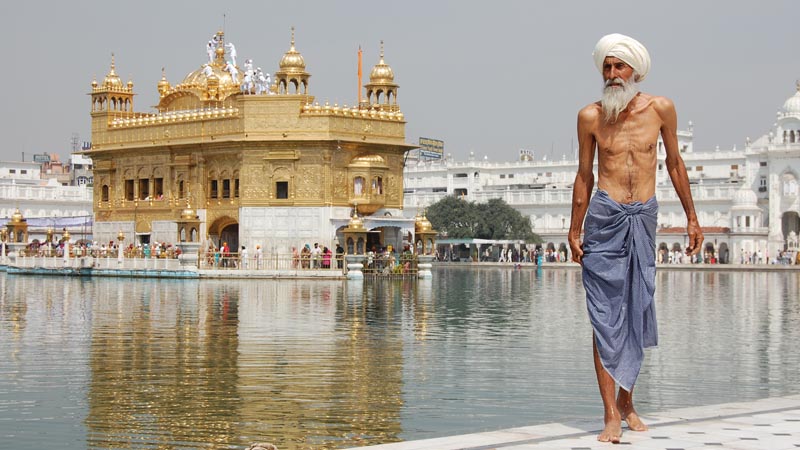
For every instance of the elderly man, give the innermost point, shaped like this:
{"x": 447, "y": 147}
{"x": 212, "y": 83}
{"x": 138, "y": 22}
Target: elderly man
{"x": 618, "y": 248}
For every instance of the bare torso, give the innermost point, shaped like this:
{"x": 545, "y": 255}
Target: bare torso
{"x": 626, "y": 149}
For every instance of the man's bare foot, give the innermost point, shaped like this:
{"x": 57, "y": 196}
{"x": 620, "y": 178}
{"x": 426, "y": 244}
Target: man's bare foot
{"x": 628, "y": 413}
{"x": 634, "y": 422}
{"x": 612, "y": 432}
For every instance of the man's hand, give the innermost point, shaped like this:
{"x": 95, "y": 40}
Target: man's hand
{"x": 576, "y": 247}
{"x": 695, "y": 238}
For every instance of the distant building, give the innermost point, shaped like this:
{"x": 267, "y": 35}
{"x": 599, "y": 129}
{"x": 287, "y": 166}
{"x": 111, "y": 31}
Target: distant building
{"x": 746, "y": 199}
{"x": 80, "y": 170}
{"x": 44, "y": 202}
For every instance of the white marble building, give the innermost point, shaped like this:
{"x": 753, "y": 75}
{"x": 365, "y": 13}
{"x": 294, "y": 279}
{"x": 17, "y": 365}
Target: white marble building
{"x": 44, "y": 202}
{"x": 746, "y": 198}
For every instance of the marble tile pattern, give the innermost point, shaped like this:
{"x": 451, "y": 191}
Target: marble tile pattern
{"x": 766, "y": 424}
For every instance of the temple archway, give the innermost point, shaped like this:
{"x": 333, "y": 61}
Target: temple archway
{"x": 790, "y": 221}
{"x": 724, "y": 253}
{"x": 225, "y": 229}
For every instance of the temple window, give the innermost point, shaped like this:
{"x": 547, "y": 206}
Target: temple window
{"x": 282, "y": 189}
{"x": 158, "y": 188}
{"x": 144, "y": 189}
{"x": 104, "y": 194}
{"x": 129, "y": 190}
{"x": 180, "y": 189}
{"x": 213, "y": 189}
{"x": 226, "y": 188}
{"x": 358, "y": 186}
{"x": 377, "y": 185}
{"x": 236, "y": 188}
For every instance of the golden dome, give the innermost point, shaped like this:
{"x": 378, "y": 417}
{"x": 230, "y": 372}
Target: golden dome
{"x": 163, "y": 84}
{"x": 188, "y": 213}
{"x": 17, "y": 217}
{"x": 112, "y": 80}
{"x": 422, "y": 224}
{"x": 198, "y": 78}
{"x": 292, "y": 61}
{"x": 381, "y": 73}
{"x": 355, "y": 224}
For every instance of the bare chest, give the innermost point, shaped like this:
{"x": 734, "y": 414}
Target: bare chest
{"x": 637, "y": 134}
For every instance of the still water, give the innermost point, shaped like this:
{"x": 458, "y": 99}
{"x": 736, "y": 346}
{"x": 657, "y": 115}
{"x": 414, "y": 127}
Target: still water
{"x": 116, "y": 363}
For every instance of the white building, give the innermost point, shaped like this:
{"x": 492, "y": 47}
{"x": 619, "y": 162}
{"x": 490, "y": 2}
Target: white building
{"x": 44, "y": 203}
{"x": 746, "y": 199}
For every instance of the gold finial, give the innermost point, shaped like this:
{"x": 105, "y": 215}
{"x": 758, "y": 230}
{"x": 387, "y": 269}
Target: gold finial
{"x": 112, "y": 65}
{"x": 381, "y": 49}
{"x": 292, "y": 37}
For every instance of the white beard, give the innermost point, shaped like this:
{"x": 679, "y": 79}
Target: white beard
{"x": 616, "y": 98}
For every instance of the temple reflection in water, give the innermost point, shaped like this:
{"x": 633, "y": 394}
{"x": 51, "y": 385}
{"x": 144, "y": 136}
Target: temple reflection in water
{"x": 243, "y": 361}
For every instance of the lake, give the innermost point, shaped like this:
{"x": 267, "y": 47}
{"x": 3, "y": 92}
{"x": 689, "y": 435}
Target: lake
{"x": 131, "y": 363}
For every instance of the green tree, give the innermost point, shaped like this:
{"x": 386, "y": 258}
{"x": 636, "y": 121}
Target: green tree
{"x": 494, "y": 219}
{"x": 454, "y": 216}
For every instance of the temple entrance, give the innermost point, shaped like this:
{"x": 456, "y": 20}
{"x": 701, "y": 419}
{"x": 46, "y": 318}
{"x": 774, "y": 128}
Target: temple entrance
{"x": 225, "y": 229}
{"x": 709, "y": 254}
{"x": 724, "y": 253}
{"x": 382, "y": 237}
{"x": 790, "y": 221}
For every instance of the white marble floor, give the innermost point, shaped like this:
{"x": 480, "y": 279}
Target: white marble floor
{"x": 768, "y": 424}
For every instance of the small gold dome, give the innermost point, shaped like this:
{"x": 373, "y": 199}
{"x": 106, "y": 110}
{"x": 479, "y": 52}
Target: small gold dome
{"x": 292, "y": 60}
{"x": 112, "y": 80}
{"x": 163, "y": 84}
{"x": 17, "y": 217}
{"x": 355, "y": 222}
{"x": 381, "y": 72}
{"x": 422, "y": 224}
{"x": 188, "y": 213}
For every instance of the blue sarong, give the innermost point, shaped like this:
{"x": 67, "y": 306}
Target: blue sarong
{"x": 619, "y": 269}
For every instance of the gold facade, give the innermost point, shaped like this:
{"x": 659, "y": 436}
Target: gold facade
{"x": 217, "y": 148}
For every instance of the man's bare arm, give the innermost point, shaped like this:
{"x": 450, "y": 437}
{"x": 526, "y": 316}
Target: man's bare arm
{"x": 584, "y": 179}
{"x": 677, "y": 171}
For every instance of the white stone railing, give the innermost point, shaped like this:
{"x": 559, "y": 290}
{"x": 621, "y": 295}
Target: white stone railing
{"x": 85, "y": 262}
{"x": 47, "y": 192}
{"x": 175, "y": 116}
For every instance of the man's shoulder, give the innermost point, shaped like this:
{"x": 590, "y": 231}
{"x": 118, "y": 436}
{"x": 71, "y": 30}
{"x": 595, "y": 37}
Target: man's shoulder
{"x": 658, "y": 102}
{"x": 590, "y": 112}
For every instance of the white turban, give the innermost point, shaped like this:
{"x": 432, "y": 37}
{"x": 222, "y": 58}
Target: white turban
{"x": 626, "y": 48}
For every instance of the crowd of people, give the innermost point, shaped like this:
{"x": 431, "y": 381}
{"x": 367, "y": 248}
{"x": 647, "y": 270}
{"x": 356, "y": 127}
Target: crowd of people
{"x": 103, "y": 250}
{"x": 308, "y": 257}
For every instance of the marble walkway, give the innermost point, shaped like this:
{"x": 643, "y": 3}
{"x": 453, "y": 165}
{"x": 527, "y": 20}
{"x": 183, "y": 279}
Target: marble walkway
{"x": 768, "y": 424}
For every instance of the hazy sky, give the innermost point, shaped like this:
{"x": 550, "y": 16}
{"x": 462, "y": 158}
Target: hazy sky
{"x": 489, "y": 77}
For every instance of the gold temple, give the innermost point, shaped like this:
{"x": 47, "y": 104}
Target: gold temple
{"x": 271, "y": 167}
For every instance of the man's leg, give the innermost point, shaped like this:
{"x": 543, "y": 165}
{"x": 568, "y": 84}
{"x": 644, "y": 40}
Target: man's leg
{"x": 611, "y": 414}
{"x": 627, "y": 412}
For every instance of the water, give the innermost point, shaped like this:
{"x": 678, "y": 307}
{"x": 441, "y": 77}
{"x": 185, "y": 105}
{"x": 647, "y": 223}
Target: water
{"x": 113, "y": 363}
